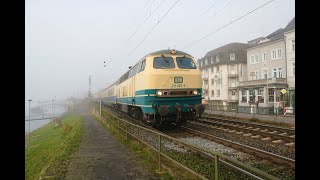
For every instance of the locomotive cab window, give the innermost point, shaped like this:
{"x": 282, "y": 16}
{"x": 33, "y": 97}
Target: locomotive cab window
{"x": 163, "y": 63}
{"x": 185, "y": 63}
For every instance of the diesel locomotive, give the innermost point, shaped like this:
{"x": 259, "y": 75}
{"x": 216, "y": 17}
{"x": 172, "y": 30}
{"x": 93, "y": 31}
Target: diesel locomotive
{"x": 163, "y": 87}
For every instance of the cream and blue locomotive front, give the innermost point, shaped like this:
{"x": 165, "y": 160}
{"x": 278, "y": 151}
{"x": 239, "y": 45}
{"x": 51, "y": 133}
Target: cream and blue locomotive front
{"x": 164, "y": 86}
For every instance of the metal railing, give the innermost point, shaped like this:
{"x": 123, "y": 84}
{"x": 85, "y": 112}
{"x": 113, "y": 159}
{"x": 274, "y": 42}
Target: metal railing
{"x": 262, "y": 81}
{"x": 156, "y": 140}
{"x": 252, "y": 109}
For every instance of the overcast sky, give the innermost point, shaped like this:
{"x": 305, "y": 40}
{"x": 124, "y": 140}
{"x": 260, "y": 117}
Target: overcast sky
{"x": 68, "y": 40}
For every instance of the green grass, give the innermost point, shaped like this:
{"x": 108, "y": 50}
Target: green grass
{"x": 51, "y": 147}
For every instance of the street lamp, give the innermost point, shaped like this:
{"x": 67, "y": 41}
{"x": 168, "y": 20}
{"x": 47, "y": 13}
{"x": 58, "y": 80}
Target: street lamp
{"x": 29, "y": 125}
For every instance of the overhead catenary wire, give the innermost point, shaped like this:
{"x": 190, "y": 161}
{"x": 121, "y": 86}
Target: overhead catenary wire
{"x": 153, "y": 28}
{"x": 189, "y": 45}
{"x": 145, "y": 20}
{"x": 207, "y": 9}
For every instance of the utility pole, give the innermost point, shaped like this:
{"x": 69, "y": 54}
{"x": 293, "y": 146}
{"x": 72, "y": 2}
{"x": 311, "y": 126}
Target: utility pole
{"x": 89, "y": 93}
{"x": 52, "y": 111}
{"x": 29, "y": 125}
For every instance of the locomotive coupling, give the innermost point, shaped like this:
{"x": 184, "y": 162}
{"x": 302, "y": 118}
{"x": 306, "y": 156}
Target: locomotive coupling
{"x": 163, "y": 110}
{"x": 199, "y": 108}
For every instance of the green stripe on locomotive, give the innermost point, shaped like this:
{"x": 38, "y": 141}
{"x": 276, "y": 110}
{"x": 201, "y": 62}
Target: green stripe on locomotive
{"x": 148, "y": 101}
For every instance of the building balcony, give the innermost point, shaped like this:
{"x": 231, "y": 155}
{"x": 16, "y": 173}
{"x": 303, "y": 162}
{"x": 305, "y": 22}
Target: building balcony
{"x": 233, "y": 98}
{"x": 205, "y": 76}
{"x": 233, "y": 75}
{"x": 232, "y": 87}
{"x": 263, "y": 82}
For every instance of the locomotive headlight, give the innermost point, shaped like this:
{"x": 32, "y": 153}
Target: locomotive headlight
{"x": 159, "y": 93}
{"x": 195, "y": 92}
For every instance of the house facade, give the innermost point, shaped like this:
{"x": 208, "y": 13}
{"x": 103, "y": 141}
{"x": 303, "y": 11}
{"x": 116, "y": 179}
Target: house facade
{"x": 289, "y": 36}
{"x": 222, "y": 69}
{"x": 267, "y": 73}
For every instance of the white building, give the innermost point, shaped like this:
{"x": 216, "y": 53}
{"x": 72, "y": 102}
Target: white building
{"x": 289, "y": 36}
{"x": 267, "y": 74}
{"x": 222, "y": 69}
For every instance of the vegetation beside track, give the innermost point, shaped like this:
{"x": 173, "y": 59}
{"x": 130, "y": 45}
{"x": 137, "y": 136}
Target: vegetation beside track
{"x": 51, "y": 147}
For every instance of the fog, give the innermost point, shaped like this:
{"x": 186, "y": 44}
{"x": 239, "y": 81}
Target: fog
{"x": 67, "y": 41}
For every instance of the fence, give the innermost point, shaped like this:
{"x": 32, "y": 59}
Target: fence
{"x": 252, "y": 109}
{"x": 160, "y": 144}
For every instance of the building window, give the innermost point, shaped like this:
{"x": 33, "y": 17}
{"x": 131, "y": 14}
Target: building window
{"x": 264, "y": 56}
{"x": 293, "y": 69}
{"x": 256, "y": 75}
{"x": 233, "y": 92}
{"x": 212, "y": 93}
{"x": 212, "y": 82}
{"x": 252, "y": 59}
{"x": 273, "y": 54}
{"x": 293, "y": 45}
{"x": 211, "y": 60}
{"x": 271, "y": 95}
{"x": 206, "y": 82}
{"x": 251, "y": 95}
{"x": 231, "y": 67}
{"x": 280, "y": 72}
{"x": 256, "y": 58}
{"x": 275, "y": 72}
{"x": 279, "y": 53}
{"x": 206, "y": 62}
{"x": 211, "y": 70}
{"x": 217, "y": 58}
{"x": 244, "y": 96}
{"x": 232, "y": 56}
{"x": 276, "y": 54}
{"x": 265, "y": 74}
{"x": 260, "y": 95}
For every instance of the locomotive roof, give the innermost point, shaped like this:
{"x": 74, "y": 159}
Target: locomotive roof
{"x": 167, "y": 51}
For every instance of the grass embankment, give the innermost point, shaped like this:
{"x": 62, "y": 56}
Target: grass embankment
{"x": 51, "y": 147}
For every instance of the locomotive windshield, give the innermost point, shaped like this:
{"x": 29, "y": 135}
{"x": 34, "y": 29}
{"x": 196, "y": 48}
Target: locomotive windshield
{"x": 185, "y": 63}
{"x": 163, "y": 63}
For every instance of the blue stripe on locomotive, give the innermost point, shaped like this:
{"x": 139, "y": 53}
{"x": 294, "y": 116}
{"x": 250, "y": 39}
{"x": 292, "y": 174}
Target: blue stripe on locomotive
{"x": 148, "y": 102}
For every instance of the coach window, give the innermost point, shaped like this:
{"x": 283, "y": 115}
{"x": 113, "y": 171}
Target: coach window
{"x": 163, "y": 63}
{"x": 185, "y": 63}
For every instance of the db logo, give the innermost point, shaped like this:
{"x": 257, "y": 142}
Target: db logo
{"x": 178, "y": 79}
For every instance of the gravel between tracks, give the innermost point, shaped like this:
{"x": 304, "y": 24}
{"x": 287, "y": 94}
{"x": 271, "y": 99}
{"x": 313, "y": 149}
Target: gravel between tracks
{"x": 257, "y": 143}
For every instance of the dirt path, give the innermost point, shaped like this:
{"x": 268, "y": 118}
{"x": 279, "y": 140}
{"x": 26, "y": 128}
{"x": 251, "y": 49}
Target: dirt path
{"x": 101, "y": 156}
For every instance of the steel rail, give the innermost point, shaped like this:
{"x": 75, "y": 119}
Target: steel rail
{"x": 258, "y": 152}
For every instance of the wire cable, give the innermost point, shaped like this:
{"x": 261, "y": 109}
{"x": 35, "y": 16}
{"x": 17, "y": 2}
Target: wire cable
{"x": 145, "y": 20}
{"x": 153, "y": 28}
{"x": 189, "y": 45}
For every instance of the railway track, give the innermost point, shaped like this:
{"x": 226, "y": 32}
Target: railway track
{"x": 235, "y": 145}
{"x": 265, "y": 132}
{"x": 187, "y": 131}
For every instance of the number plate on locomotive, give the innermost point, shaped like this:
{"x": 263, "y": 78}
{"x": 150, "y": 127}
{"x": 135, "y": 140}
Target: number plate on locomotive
{"x": 178, "y": 79}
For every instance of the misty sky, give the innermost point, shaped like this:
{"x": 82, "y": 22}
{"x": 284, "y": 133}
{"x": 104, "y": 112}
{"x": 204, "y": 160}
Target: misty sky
{"x": 68, "y": 40}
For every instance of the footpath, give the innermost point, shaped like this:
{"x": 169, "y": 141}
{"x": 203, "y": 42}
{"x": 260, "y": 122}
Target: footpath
{"x": 288, "y": 119}
{"x": 101, "y": 156}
